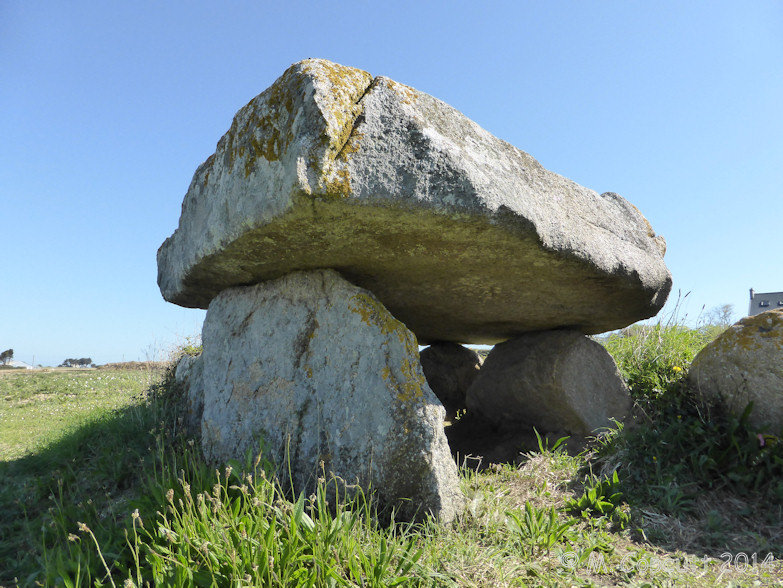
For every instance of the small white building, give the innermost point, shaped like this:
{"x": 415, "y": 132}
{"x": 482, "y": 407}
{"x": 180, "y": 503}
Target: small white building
{"x": 764, "y": 301}
{"x": 21, "y": 364}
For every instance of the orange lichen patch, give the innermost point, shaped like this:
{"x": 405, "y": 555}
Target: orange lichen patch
{"x": 373, "y": 313}
{"x": 407, "y": 94}
{"x": 411, "y": 388}
{"x": 754, "y": 331}
{"x": 264, "y": 127}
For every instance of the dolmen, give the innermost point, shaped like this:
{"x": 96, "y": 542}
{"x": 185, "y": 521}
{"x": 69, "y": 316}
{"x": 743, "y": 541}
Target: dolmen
{"x": 343, "y": 221}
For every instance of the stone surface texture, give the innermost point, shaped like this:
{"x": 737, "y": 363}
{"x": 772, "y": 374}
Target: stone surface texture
{"x": 450, "y": 370}
{"x": 462, "y": 236}
{"x": 553, "y": 380}
{"x": 744, "y": 364}
{"x": 188, "y": 375}
{"x": 322, "y": 372}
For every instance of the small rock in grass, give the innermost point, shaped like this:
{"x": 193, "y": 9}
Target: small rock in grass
{"x": 745, "y": 364}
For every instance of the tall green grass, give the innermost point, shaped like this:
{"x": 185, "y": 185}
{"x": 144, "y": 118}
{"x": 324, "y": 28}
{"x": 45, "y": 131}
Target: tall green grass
{"x": 679, "y": 452}
{"x": 654, "y": 359}
{"x": 125, "y": 499}
{"x": 70, "y": 443}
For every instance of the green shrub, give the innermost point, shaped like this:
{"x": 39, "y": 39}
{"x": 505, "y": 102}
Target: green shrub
{"x": 679, "y": 446}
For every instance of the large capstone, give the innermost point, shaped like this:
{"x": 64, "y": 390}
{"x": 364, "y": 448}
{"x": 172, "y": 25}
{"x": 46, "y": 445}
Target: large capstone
{"x": 462, "y": 236}
{"x": 316, "y": 373}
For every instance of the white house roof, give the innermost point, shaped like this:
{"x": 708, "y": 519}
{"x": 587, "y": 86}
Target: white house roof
{"x": 21, "y": 364}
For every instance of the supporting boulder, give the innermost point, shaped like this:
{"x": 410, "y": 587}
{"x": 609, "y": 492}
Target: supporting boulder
{"x": 318, "y": 371}
{"x": 450, "y": 370}
{"x": 745, "y": 364}
{"x": 556, "y": 381}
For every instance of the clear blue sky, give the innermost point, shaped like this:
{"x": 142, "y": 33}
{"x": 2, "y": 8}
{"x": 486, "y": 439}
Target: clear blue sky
{"x": 109, "y": 107}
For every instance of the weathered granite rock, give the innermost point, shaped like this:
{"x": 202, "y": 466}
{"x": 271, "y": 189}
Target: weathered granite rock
{"x": 319, "y": 370}
{"x": 188, "y": 375}
{"x": 450, "y": 370}
{"x": 461, "y": 236}
{"x": 744, "y": 364}
{"x": 553, "y": 380}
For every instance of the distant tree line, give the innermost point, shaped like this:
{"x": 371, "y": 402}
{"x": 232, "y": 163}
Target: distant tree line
{"x": 83, "y": 362}
{"x": 6, "y": 356}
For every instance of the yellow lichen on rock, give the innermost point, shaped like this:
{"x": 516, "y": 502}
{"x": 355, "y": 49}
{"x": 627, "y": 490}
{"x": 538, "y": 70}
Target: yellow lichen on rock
{"x": 339, "y": 104}
{"x": 745, "y": 365}
{"x": 407, "y": 94}
{"x": 264, "y": 128}
{"x": 337, "y": 185}
{"x": 754, "y": 331}
{"x": 411, "y": 382}
{"x": 347, "y": 86}
{"x": 373, "y": 313}
{"x": 411, "y": 387}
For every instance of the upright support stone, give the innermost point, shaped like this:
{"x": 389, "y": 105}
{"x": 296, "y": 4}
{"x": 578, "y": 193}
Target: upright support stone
{"x": 556, "y": 381}
{"x": 450, "y": 369}
{"x": 318, "y": 370}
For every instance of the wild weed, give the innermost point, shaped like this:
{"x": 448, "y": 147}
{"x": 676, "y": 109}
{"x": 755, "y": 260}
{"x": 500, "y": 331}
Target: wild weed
{"x": 601, "y": 498}
{"x": 537, "y": 530}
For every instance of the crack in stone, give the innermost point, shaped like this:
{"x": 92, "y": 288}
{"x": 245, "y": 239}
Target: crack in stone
{"x": 358, "y": 119}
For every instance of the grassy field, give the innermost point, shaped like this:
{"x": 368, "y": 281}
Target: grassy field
{"x": 99, "y": 487}
{"x": 62, "y": 453}
{"x": 39, "y": 406}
